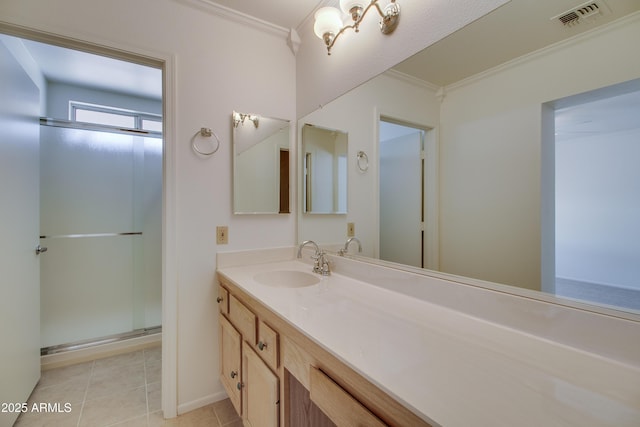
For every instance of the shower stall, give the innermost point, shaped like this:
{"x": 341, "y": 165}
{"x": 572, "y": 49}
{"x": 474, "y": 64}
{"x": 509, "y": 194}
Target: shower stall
{"x": 101, "y": 228}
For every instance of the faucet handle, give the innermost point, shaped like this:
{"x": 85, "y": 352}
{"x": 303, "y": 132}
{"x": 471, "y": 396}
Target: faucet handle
{"x": 325, "y": 268}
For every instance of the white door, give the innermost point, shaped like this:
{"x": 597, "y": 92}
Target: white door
{"x": 401, "y": 212}
{"x": 19, "y": 236}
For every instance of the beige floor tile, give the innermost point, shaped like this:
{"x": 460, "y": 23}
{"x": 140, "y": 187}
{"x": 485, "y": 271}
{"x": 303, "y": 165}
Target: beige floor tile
{"x": 72, "y": 391}
{"x": 225, "y": 412}
{"x": 198, "y": 418}
{"x": 120, "y": 360}
{"x": 64, "y": 374}
{"x": 205, "y": 412}
{"x": 114, "y": 408}
{"x": 153, "y": 371}
{"x": 42, "y": 419}
{"x": 154, "y": 395}
{"x": 114, "y": 380}
{"x": 157, "y": 420}
{"x": 153, "y": 354}
{"x": 133, "y": 422}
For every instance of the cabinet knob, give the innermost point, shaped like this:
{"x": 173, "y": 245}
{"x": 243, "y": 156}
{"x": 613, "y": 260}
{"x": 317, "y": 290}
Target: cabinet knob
{"x": 239, "y": 386}
{"x": 262, "y": 345}
{"x": 219, "y": 299}
{"x": 233, "y": 374}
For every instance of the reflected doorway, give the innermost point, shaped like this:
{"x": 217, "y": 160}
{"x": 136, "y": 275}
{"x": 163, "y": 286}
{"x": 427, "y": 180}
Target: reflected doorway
{"x": 403, "y": 215}
{"x": 597, "y": 196}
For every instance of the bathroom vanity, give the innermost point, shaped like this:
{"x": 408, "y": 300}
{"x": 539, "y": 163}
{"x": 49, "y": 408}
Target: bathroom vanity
{"x": 373, "y": 346}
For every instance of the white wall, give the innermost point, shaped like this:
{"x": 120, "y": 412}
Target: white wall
{"x": 490, "y": 146}
{"x": 214, "y": 66}
{"x": 356, "y": 58}
{"x": 257, "y": 175}
{"x": 357, "y": 114}
{"x": 24, "y": 58}
{"x": 597, "y": 208}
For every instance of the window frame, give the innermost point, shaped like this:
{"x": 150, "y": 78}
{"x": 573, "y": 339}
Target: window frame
{"x": 138, "y": 116}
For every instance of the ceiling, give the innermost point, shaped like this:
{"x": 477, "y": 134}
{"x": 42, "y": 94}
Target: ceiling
{"x": 513, "y": 30}
{"x": 85, "y": 69}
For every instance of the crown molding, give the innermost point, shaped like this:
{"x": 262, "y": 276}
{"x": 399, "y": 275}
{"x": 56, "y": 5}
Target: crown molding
{"x": 411, "y": 80}
{"x": 239, "y": 17}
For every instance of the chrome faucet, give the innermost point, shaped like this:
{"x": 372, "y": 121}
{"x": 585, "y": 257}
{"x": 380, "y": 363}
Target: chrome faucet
{"x": 320, "y": 263}
{"x": 344, "y": 250}
{"x": 305, "y": 243}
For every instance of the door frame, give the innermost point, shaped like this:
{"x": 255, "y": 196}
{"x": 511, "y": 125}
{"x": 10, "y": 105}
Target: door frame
{"x": 167, "y": 63}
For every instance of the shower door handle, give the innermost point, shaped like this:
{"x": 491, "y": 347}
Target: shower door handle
{"x": 40, "y": 249}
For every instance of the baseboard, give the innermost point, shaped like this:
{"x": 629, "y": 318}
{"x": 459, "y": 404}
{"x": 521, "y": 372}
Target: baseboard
{"x": 72, "y": 357}
{"x": 199, "y": 403}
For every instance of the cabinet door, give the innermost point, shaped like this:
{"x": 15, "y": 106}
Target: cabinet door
{"x": 260, "y": 391}
{"x": 231, "y": 361}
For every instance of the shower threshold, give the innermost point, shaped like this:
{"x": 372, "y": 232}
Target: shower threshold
{"x": 92, "y": 342}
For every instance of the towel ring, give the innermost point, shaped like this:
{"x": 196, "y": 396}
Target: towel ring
{"x": 362, "y": 161}
{"x": 205, "y": 133}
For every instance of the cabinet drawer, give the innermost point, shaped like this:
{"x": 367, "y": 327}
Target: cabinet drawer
{"x": 267, "y": 346}
{"x": 243, "y": 319}
{"x": 223, "y": 300}
{"x": 339, "y": 405}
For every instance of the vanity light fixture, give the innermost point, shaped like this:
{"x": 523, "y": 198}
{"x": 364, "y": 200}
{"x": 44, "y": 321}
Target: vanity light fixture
{"x": 239, "y": 118}
{"x": 328, "y": 25}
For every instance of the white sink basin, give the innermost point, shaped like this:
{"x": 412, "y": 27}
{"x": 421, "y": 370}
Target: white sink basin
{"x": 287, "y": 278}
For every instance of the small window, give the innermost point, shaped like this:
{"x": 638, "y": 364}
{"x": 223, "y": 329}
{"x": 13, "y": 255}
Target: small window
{"x": 152, "y": 125}
{"x": 104, "y": 118}
{"x": 110, "y": 116}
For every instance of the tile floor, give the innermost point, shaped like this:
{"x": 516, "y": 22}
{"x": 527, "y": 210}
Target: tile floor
{"x": 122, "y": 390}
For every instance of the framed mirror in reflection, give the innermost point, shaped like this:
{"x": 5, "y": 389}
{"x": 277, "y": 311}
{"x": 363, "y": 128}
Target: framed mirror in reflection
{"x": 260, "y": 164}
{"x": 324, "y": 170}
{"x": 528, "y": 156}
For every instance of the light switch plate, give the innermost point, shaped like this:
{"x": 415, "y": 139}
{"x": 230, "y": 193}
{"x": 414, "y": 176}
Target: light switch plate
{"x": 351, "y": 229}
{"x": 222, "y": 234}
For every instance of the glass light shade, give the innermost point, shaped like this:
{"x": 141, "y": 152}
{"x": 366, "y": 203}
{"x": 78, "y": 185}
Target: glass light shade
{"x": 328, "y": 20}
{"x": 347, "y": 5}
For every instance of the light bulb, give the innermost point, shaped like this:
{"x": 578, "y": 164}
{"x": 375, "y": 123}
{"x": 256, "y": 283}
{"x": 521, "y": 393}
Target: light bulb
{"x": 347, "y": 7}
{"x": 328, "y": 20}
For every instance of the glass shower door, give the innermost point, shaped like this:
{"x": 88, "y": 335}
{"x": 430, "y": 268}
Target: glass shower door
{"x": 101, "y": 222}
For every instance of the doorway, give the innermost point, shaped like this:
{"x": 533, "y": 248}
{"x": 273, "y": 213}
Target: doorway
{"x": 406, "y": 217}
{"x": 596, "y": 193}
{"x": 100, "y": 197}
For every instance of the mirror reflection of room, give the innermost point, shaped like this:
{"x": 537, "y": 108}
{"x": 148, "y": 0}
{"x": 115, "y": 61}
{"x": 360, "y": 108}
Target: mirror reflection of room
{"x": 260, "y": 164}
{"x": 495, "y": 212}
{"x": 325, "y": 170}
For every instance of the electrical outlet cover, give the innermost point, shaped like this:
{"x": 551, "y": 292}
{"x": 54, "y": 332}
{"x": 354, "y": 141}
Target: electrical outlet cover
{"x": 222, "y": 235}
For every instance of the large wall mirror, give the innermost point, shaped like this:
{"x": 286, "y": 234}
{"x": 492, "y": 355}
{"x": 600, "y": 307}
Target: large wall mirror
{"x": 518, "y": 124}
{"x": 324, "y": 166}
{"x": 260, "y": 164}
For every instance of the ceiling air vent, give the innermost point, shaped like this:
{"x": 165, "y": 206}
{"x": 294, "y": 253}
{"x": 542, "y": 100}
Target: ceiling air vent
{"x": 582, "y": 13}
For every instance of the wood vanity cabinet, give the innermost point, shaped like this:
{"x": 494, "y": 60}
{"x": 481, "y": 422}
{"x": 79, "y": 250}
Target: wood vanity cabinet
{"x": 286, "y": 379}
{"x": 245, "y": 373}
